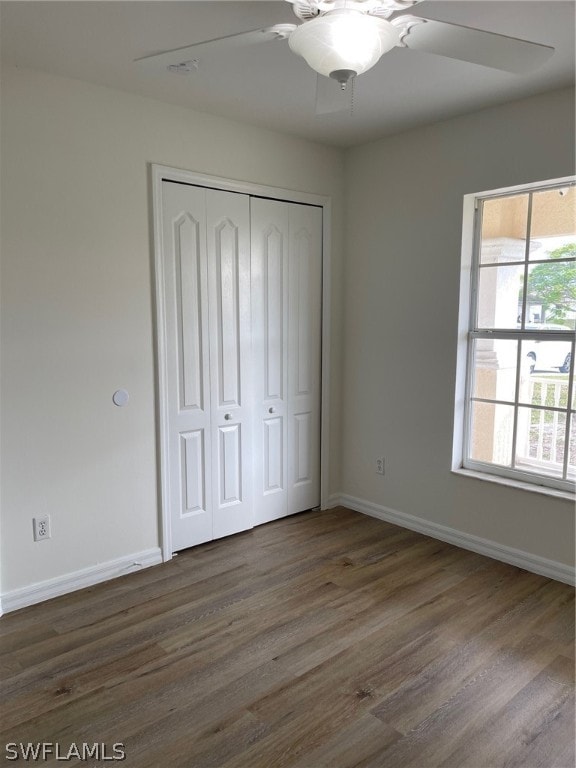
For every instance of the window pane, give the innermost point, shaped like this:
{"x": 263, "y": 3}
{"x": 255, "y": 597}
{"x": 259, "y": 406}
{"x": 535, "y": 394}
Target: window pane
{"x": 548, "y": 390}
{"x": 546, "y": 356}
{"x": 552, "y": 294}
{"x": 491, "y": 435}
{"x": 499, "y": 291}
{"x": 553, "y": 223}
{"x": 540, "y": 440}
{"x": 494, "y": 375}
{"x": 553, "y": 247}
{"x": 504, "y": 224}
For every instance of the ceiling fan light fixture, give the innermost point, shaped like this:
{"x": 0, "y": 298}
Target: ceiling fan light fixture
{"x": 343, "y": 40}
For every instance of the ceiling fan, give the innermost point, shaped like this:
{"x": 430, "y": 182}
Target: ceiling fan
{"x": 341, "y": 39}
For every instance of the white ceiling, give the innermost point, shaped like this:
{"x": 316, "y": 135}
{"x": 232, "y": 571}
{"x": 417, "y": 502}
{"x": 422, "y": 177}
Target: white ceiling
{"x": 267, "y": 85}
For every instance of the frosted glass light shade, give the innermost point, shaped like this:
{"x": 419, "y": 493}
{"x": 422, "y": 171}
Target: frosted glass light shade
{"x": 343, "y": 40}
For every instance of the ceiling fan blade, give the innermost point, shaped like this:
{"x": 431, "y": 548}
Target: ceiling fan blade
{"x": 474, "y": 45}
{"x": 330, "y": 98}
{"x": 177, "y": 56}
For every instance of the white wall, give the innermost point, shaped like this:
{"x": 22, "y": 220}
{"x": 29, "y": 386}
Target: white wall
{"x": 77, "y": 305}
{"x": 404, "y": 206}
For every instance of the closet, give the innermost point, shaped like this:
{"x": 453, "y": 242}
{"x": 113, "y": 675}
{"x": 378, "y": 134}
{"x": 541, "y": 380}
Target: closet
{"x": 242, "y": 301}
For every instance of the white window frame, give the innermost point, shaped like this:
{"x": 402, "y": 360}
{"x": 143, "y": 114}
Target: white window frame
{"x": 461, "y": 463}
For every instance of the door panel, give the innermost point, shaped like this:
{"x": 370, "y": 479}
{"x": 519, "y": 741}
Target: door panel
{"x": 193, "y": 462}
{"x": 302, "y": 444}
{"x": 269, "y": 247}
{"x": 302, "y": 272}
{"x": 231, "y": 464}
{"x": 228, "y": 249}
{"x": 188, "y": 306}
{"x": 286, "y": 324}
{"x": 227, "y": 287}
{"x": 274, "y": 458}
{"x": 304, "y": 355}
{"x": 274, "y": 302}
{"x": 187, "y": 363}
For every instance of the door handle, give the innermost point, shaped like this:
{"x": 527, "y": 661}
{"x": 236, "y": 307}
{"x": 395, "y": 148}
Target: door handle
{"x": 271, "y": 410}
{"x": 227, "y": 416}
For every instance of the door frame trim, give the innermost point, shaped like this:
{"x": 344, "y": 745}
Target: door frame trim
{"x": 158, "y": 174}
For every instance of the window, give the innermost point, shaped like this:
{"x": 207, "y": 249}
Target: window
{"x": 519, "y": 414}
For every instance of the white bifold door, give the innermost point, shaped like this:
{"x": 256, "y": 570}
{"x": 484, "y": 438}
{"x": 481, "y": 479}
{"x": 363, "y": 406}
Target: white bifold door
{"x": 242, "y": 306}
{"x": 286, "y": 327}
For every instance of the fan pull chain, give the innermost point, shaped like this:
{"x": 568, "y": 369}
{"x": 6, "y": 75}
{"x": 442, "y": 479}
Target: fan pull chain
{"x": 352, "y": 95}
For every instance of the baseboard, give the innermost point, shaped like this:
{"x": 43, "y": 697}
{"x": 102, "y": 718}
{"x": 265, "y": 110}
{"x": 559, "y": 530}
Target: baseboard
{"x": 70, "y": 582}
{"x": 534, "y": 563}
{"x": 62, "y": 585}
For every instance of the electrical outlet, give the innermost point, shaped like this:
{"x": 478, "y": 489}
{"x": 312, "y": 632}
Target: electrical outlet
{"x": 41, "y": 527}
{"x": 380, "y": 465}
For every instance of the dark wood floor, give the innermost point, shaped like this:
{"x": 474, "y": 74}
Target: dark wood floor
{"x": 325, "y": 640}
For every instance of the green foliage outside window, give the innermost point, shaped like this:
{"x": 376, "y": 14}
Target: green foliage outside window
{"x": 554, "y": 284}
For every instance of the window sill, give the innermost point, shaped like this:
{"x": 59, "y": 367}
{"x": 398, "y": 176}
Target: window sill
{"x": 507, "y": 481}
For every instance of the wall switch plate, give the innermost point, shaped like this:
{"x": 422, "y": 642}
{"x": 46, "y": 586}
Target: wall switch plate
{"x": 41, "y": 527}
{"x": 380, "y": 465}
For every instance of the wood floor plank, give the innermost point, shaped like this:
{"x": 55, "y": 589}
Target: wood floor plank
{"x": 198, "y": 718}
{"x": 73, "y": 686}
{"x": 540, "y": 711}
{"x": 14, "y": 642}
{"x": 355, "y": 745}
{"x": 324, "y": 640}
{"x": 337, "y": 652}
{"x": 459, "y": 716}
{"x": 421, "y": 694}
{"x": 172, "y": 609}
{"x": 313, "y": 725}
{"x": 558, "y": 621}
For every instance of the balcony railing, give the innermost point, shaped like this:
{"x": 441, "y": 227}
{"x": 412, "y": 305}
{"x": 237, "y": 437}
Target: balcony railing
{"x": 542, "y": 430}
